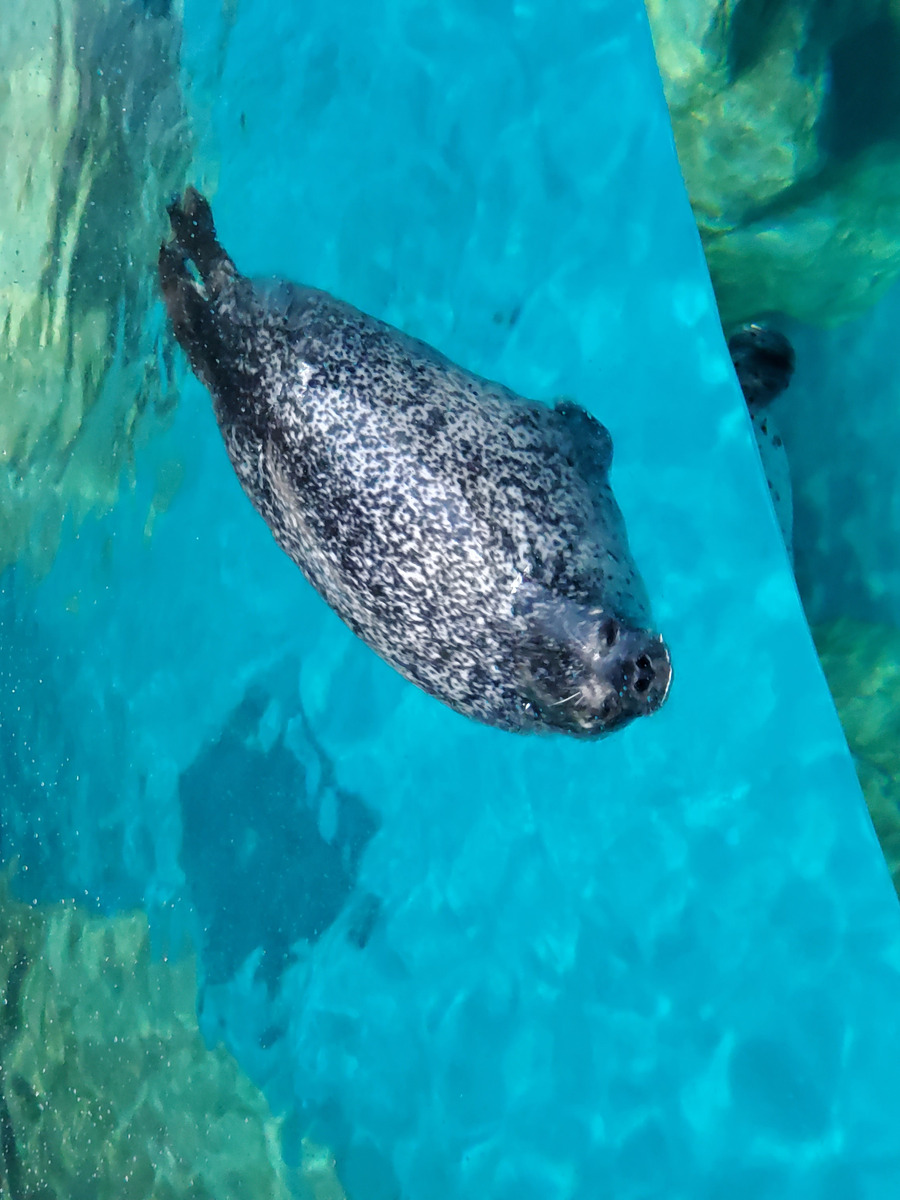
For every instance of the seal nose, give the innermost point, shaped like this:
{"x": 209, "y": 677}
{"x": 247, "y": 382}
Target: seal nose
{"x": 646, "y": 673}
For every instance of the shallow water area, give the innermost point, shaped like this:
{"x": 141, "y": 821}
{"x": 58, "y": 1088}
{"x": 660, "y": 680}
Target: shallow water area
{"x": 667, "y": 963}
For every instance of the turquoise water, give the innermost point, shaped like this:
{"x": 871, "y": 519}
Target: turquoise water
{"x": 845, "y": 473}
{"x": 475, "y": 965}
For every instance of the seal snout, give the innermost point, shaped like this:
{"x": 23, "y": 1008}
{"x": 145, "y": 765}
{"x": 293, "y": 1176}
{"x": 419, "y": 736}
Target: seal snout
{"x": 599, "y": 675}
{"x": 648, "y": 675}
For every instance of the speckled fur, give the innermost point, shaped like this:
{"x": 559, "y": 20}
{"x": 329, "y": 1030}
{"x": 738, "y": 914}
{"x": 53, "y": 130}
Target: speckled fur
{"x": 454, "y": 526}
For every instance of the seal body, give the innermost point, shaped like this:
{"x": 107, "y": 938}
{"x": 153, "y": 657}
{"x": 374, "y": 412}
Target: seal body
{"x": 468, "y": 535}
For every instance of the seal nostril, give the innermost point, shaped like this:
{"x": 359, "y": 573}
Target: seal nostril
{"x": 641, "y": 685}
{"x": 644, "y": 664}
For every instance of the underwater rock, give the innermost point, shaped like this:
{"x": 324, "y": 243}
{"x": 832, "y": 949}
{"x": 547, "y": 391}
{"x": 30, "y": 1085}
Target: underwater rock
{"x": 60, "y": 790}
{"x": 786, "y": 116}
{"x": 107, "y": 1088}
{"x": 94, "y": 137}
{"x": 862, "y": 665}
{"x": 270, "y": 843}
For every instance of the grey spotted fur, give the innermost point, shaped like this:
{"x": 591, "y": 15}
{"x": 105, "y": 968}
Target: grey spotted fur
{"x": 469, "y": 536}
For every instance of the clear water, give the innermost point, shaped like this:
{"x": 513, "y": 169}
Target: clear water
{"x": 471, "y": 964}
{"x": 846, "y": 389}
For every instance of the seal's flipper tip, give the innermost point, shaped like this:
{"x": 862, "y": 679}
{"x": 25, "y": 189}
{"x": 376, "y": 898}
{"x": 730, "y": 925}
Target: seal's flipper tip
{"x": 197, "y": 209}
{"x": 193, "y": 228}
{"x": 194, "y": 239}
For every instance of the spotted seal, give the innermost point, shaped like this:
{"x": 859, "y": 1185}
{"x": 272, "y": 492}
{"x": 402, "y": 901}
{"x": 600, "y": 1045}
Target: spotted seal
{"x": 764, "y": 362}
{"x": 468, "y": 535}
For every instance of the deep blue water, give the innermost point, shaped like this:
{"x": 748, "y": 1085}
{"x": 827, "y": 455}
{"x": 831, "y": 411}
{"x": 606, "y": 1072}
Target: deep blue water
{"x": 476, "y": 965}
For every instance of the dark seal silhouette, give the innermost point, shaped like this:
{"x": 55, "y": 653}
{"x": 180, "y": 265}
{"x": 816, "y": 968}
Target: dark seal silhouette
{"x": 764, "y": 363}
{"x": 468, "y": 535}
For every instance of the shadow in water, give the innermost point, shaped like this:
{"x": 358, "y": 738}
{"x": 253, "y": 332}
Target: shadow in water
{"x": 271, "y": 843}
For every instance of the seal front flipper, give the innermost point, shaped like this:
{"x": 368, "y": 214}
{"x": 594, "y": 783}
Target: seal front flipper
{"x": 585, "y": 440}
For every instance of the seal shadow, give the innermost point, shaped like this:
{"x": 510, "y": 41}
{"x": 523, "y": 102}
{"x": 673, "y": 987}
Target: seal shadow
{"x": 270, "y": 842}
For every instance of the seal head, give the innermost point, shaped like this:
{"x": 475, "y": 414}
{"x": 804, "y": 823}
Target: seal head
{"x": 587, "y": 673}
{"x": 468, "y": 535}
{"x": 763, "y": 361}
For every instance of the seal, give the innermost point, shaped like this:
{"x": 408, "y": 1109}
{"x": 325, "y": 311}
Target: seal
{"x": 468, "y": 535}
{"x": 763, "y": 360}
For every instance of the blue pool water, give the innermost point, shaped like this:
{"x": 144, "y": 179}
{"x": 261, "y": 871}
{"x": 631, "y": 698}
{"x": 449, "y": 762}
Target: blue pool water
{"x": 845, "y": 471}
{"x": 667, "y": 964}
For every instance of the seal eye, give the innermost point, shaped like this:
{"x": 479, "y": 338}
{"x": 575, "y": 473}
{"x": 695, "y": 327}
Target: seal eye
{"x": 609, "y": 632}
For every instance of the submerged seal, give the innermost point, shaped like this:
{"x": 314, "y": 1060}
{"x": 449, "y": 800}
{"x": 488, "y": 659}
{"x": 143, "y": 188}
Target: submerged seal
{"x": 764, "y": 361}
{"x": 469, "y": 536}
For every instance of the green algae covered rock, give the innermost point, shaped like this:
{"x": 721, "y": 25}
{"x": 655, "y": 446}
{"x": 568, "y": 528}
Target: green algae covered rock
{"x": 862, "y": 664}
{"x": 786, "y": 116}
{"x": 93, "y": 139}
{"x": 107, "y": 1088}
